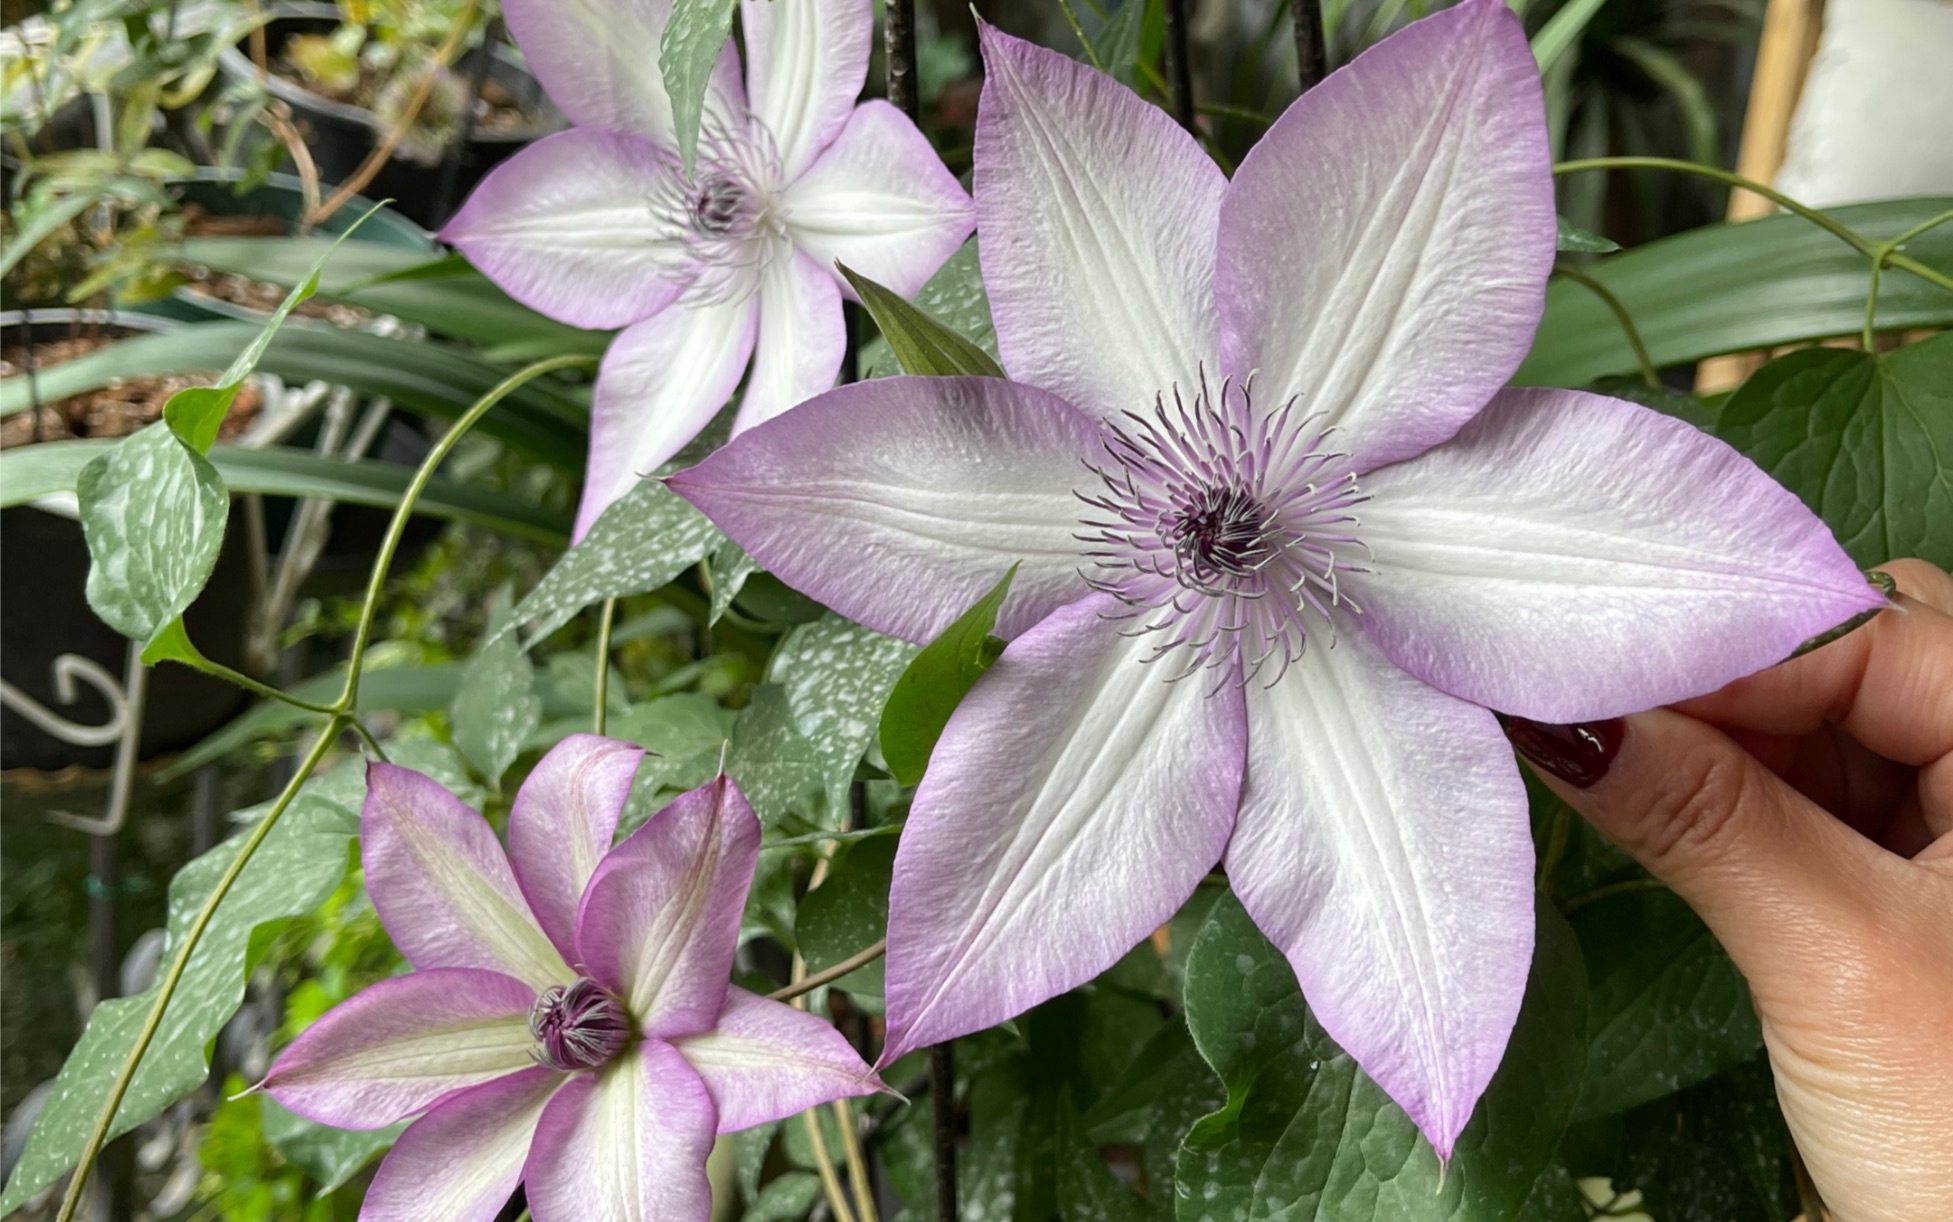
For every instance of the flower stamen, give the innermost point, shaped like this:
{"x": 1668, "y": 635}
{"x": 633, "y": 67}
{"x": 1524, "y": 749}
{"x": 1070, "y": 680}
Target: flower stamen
{"x": 579, "y": 1025}
{"x": 1223, "y": 528}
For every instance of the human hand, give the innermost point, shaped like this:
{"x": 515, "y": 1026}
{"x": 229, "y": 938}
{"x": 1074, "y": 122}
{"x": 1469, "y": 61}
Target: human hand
{"x": 1806, "y": 813}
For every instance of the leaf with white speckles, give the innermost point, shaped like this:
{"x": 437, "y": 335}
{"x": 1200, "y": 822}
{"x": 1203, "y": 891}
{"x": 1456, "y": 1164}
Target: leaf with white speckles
{"x": 642, "y": 541}
{"x": 1306, "y": 1135}
{"x": 300, "y": 862}
{"x": 837, "y": 675}
{"x": 153, "y": 511}
{"x": 497, "y": 705}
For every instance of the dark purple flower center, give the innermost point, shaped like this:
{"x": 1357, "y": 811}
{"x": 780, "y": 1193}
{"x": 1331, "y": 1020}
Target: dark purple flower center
{"x": 716, "y": 206}
{"x": 723, "y": 224}
{"x": 1223, "y": 528}
{"x": 578, "y": 1025}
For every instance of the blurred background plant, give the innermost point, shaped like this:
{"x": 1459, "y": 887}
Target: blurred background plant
{"x": 175, "y": 169}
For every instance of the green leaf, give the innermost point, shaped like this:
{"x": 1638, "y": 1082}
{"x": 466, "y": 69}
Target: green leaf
{"x": 686, "y": 732}
{"x": 45, "y": 221}
{"x": 330, "y": 1156}
{"x": 1306, "y": 1134}
{"x": 1119, "y": 38}
{"x": 955, "y": 297}
{"x": 848, "y": 913}
{"x": 1668, "y": 1007}
{"x": 497, "y": 705}
{"x": 935, "y": 683}
{"x": 1555, "y": 1198}
{"x": 922, "y": 345}
{"x": 1866, "y": 441}
{"x": 443, "y": 294}
{"x": 644, "y": 539}
{"x": 836, "y": 675}
{"x": 789, "y": 1195}
{"x": 1582, "y": 242}
{"x": 1562, "y": 30}
{"x": 775, "y": 766}
{"x": 542, "y": 419}
{"x": 195, "y": 413}
{"x": 692, "y": 40}
{"x": 153, "y": 511}
{"x": 294, "y": 870}
{"x": 28, "y": 473}
{"x": 729, "y": 567}
{"x": 1736, "y": 287}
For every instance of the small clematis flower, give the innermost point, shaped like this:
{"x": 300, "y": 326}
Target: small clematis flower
{"x": 600, "y": 226}
{"x": 1284, "y": 541}
{"x": 568, "y": 1024}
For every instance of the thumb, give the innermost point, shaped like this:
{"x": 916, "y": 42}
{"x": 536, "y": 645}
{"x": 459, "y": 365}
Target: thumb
{"x": 1786, "y": 887}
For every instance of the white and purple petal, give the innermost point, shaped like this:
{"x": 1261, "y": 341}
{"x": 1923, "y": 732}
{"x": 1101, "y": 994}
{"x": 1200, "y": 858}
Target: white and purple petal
{"x": 625, "y": 1144}
{"x": 402, "y": 1044}
{"x": 1384, "y": 248}
{"x": 765, "y": 1060}
{"x": 443, "y": 887}
{"x": 801, "y": 341}
{"x": 562, "y": 823}
{"x": 1074, "y": 802}
{"x": 805, "y": 64}
{"x": 880, "y": 200}
{"x": 567, "y": 227}
{"x": 660, "y": 919}
{"x": 1097, "y": 216}
{"x": 901, "y": 501}
{"x": 461, "y": 1161}
{"x": 1383, "y": 845}
{"x": 599, "y": 62}
{"x": 1569, "y": 556}
{"x": 661, "y": 382}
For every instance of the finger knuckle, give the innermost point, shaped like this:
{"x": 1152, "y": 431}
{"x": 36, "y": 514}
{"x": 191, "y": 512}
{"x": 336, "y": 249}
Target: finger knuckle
{"x": 1692, "y": 809}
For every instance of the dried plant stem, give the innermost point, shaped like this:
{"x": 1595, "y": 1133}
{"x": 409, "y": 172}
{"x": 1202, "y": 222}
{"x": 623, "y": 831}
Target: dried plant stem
{"x": 1311, "y": 48}
{"x": 443, "y": 55}
{"x": 803, "y": 985}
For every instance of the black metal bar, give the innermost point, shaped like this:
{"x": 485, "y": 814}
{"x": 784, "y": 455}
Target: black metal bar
{"x": 1179, "y": 68}
{"x": 444, "y": 190}
{"x": 898, "y": 33}
{"x": 1311, "y": 48}
{"x": 942, "y": 1094}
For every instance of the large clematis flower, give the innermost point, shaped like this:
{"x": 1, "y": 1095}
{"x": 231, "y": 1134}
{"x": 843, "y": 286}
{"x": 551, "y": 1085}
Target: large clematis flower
{"x": 1285, "y": 543}
{"x": 568, "y": 1024}
{"x": 600, "y": 226}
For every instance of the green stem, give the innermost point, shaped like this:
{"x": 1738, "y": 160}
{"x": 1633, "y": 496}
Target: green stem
{"x": 1648, "y": 372}
{"x": 1844, "y": 233}
{"x": 363, "y": 636}
{"x": 1883, "y": 255}
{"x": 249, "y": 684}
{"x": 172, "y": 978}
{"x": 341, "y": 718}
{"x": 1629, "y": 887}
{"x": 603, "y": 664}
{"x": 1091, "y": 52}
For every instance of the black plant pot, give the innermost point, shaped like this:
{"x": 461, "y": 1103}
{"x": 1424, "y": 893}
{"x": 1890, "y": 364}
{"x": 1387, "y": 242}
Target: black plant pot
{"x": 340, "y": 136}
{"x": 44, "y": 613}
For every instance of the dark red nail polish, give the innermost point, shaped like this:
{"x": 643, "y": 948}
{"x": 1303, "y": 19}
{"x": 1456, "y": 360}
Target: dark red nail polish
{"x": 1578, "y": 755}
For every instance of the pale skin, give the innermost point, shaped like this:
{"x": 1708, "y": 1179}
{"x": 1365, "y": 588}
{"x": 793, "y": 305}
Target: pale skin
{"x": 1807, "y": 814}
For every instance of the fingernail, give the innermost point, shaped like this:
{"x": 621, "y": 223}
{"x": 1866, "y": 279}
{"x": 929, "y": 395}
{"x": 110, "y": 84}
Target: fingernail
{"x": 1578, "y": 755}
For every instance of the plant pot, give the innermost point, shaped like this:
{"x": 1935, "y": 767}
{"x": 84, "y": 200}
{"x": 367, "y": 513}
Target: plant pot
{"x": 339, "y": 136}
{"x": 44, "y": 614}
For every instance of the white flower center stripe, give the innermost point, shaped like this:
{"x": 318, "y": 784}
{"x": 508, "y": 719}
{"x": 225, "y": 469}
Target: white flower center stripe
{"x": 501, "y": 922}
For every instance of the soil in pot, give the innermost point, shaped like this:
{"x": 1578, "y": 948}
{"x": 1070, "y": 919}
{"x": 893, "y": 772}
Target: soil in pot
{"x": 112, "y": 411}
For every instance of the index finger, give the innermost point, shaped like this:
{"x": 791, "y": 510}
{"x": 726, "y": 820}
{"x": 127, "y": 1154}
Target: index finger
{"x": 1889, "y": 684}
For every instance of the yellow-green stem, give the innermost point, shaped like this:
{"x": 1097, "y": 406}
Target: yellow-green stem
{"x": 603, "y": 665}
{"x": 363, "y": 635}
{"x": 1649, "y": 373}
{"x": 98, "y": 1137}
{"x": 1844, "y": 233}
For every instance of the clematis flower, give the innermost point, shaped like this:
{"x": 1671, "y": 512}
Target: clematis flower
{"x": 600, "y": 226}
{"x": 1285, "y": 544}
{"x": 568, "y": 1024}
